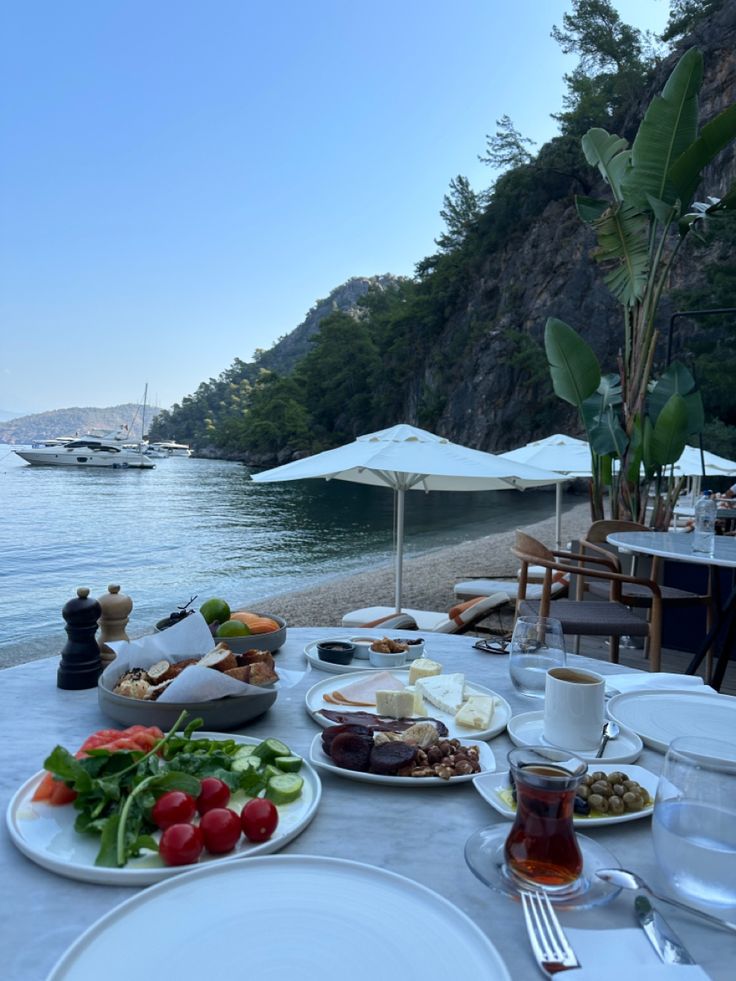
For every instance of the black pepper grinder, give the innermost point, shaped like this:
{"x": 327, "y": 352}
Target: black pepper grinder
{"x": 80, "y": 658}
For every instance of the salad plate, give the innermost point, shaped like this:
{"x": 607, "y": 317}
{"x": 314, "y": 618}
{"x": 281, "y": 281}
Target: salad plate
{"x": 495, "y": 789}
{"x": 659, "y": 716}
{"x": 320, "y": 759}
{"x": 271, "y": 916}
{"x": 315, "y": 702}
{"x": 45, "y": 833}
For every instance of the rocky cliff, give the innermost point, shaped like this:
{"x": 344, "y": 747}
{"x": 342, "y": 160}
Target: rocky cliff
{"x": 494, "y": 404}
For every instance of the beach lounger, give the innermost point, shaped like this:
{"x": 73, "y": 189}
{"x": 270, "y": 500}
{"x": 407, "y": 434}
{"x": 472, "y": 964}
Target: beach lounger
{"x": 485, "y": 587}
{"x": 461, "y": 618}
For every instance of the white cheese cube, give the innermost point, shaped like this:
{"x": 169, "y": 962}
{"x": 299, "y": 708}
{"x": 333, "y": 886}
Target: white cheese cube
{"x": 445, "y": 691}
{"x": 423, "y": 667}
{"x": 477, "y": 712}
{"x": 395, "y": 704}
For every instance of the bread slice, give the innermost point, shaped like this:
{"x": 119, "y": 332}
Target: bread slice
{"x": 240, "y": 674}
{"x": 221, "y": 658}
{"x": 262, "y": 674}
{"x": 159, "y": 671}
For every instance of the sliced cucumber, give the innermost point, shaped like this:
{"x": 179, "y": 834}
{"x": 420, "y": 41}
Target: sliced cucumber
{"x": 289, "y": 764}
{"x": 269, "y": 771}
{"x": 269, "y": 749}
{"x": 284, "y": 788}
{"x": 245, "y": 751}
{"x": 242, "y": 763}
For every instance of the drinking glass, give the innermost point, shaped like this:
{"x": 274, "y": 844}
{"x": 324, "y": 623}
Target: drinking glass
{"x": 694, "y": 821}
{"x": 536, "y": 646}
{"x": 541, "y": 847}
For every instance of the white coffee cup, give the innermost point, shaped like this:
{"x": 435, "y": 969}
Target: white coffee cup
{"x": 574, "y": 708}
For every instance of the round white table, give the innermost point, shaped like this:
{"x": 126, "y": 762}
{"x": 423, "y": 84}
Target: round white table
{"x": 678, "y": 547}
{"x": 418, "y": 833}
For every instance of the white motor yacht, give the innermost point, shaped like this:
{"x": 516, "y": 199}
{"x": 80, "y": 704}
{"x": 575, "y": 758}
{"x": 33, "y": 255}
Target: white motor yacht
{"x": 94, "y": 449}
{"x": 169, "y": 448}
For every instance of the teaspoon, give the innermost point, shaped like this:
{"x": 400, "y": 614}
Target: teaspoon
{"x": 610, "y": 731}
{"x": 630, "y": 880}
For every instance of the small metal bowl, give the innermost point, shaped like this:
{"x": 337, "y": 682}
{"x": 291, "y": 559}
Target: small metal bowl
{"x": 336, "y": 651}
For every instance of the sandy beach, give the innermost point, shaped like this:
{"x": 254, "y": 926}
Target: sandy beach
{"x": 428, "y": 583}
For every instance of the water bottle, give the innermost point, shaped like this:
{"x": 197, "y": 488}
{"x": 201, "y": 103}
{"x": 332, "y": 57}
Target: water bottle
{"x": 704, "y": 537}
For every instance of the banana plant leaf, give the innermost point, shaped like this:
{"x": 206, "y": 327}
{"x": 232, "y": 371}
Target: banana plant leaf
{"x": 665, "y": 440}
{"x": 610, "y": 154}
{"x": 589, "y": 209}
{"x": 573, "y": 365}
{"x": 669, "y": 127}
{"x": 607, "y": 436}
{"x": 622, "y": 240}
{"x": 677, "y": 380}
{"x": 609, "y": 394}
{"x": 686, "y": 171}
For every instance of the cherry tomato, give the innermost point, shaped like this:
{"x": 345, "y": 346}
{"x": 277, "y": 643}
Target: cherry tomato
{"x": 258, "y": 819}
{"x": 174, "y": 807}
{"x": 212, "y": 793}
{"x": 181, "y": 844}
{"x": 220, "y": 829}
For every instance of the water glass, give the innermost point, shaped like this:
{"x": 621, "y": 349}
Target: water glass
{"x": 694, "y": 821}
{"x": 536, "y": 646}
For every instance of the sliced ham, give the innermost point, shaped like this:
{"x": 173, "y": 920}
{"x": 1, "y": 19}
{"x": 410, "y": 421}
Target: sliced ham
{"x": 363, "y": 691}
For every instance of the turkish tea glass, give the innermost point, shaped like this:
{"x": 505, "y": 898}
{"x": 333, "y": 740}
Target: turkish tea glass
{"x": 694, "y": 821}
{"x": 542, "y": 848}
{"x": 537, "y": 645}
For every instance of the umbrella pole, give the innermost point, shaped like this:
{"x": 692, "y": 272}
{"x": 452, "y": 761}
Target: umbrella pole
{"x": 399, "y": 545}
{"x": 558, "y": 514}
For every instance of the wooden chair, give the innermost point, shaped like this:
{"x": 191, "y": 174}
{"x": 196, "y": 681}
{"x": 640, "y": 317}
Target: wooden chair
{"x": 589, "y": 618}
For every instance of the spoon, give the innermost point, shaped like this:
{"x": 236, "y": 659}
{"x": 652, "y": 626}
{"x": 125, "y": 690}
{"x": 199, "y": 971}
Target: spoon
{"x": 630, "y": 880}
{"x": 610, "y": 731}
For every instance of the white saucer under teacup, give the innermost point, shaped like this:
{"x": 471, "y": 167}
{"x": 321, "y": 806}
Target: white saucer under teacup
{"x": 527, "y": 729}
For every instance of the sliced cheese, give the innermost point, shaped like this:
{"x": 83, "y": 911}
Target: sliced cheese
{"x": 445, "y": 691}
{"x": 423, "y": 667}
{"x": 477, "y": 712}
{"x": 419, "y": 707}
{"x": 395, "y": 704}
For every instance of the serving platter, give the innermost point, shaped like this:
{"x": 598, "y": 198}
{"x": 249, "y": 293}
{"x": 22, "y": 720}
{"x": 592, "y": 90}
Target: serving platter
{"x": 659, "y": 716}
{"x": 357, "y": 664}
{"x": 270, "y": 916}
{"x": 320, "y": 759}
{"x": 314, "y": 702}
{"x": 45, "y": 834}
{"x": 492, "y": 787}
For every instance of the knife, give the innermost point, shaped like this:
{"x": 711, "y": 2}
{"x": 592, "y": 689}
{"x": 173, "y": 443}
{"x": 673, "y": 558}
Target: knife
{"x": 660, "y": 934}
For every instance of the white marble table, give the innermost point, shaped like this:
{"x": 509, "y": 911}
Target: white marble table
{"x": 677, "y": 547}
{"x": 419, "y": 833}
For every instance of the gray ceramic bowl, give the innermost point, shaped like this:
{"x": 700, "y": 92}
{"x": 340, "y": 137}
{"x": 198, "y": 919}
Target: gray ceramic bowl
{"x": 259, "y": 642}
{"x": 228, "y": 713}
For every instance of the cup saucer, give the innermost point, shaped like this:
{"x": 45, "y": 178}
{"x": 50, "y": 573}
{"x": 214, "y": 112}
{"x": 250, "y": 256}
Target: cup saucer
{"x": 527, "y": 729}
{"x": 485, "y": 859}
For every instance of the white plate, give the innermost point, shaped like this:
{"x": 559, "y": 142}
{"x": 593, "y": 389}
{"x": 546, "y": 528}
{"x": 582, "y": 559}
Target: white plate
{"x": 488, "y": 786}
{"x": 661, "y": 716}
{"x": 319, "y": 758}
{"x": 46, "y": 834}
{"x": 315, "y": 702}
{"x": 357, "y": 664}
{"x": 273, "y": 917}
{"x": 527, "y": 730}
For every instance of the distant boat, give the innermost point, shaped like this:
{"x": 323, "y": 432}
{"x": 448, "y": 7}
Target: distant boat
{"x": 168, "y": 448}
{"x": 97, "y": 448}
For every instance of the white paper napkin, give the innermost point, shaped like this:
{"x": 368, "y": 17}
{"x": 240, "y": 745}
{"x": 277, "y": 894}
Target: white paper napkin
{"x": 661, "y": 679}
{"x": 610, "y": 955}
{"x": 190, "y": 637}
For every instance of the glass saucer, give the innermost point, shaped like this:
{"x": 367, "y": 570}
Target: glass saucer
{"x": 485, "y": 858}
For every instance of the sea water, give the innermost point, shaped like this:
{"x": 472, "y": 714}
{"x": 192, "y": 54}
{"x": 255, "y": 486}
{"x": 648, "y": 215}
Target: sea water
{"x": 695, "y": 845}
{"x": 203, "y": 527}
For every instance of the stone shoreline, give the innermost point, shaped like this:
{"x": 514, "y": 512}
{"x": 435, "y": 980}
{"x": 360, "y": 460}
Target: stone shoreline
{"x": 428, "y": 582}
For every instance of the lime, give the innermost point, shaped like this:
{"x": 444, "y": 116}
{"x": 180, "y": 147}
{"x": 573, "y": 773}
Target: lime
{"x": 233, "y": 628}
{"x": 215, "y": 609}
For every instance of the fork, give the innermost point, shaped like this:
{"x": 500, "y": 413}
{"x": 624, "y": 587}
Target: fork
{"x": 549, "y": 943}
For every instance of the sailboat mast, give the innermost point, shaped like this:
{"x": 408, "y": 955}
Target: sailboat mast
{"x": 143, "y": 416}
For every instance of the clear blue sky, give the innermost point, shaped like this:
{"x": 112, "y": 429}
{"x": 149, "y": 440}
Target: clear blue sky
{"x": 180, "y": 180}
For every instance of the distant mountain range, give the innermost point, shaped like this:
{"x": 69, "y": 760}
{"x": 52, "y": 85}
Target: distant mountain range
{"x": 67, "y": 422}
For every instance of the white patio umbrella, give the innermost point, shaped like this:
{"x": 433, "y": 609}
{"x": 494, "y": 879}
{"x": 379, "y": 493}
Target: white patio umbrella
{"x": 564, "y": 454}
{"x": 406, "y": 458}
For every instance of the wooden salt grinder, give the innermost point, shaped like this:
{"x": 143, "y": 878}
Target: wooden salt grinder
{"x": 116, "y": 608}
{"x": 80, "y": 658}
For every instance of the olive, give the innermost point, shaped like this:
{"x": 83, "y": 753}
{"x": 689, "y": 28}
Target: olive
{"x": 588, "y": 780}
{"x": 598, "y": 803}
{"x": 582, "y": 792}
{"x": 619, "y": 789}
{"x": 617, "y": 777}
{"x": 598, "y": 775}
{"x": 633, "y": 801}
{"x": 632, "y": 785}
{"x": 601, "y": 787}
{"x": 581, "y": 805}
{"x": 615, "y": 805}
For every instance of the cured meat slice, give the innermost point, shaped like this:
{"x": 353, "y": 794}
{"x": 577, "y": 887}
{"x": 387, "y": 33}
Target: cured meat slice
{"x": 378, "y": 723}
{"x": 364, "y": 690}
